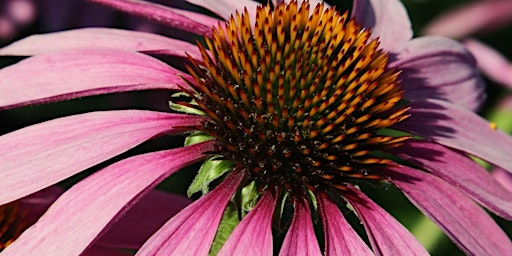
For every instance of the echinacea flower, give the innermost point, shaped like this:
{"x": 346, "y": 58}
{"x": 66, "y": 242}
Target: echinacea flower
{"x": 291, "y": 106}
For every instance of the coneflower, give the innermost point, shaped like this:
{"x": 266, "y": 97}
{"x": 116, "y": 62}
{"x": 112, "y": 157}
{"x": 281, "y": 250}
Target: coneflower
{"x": 291, "y": 106}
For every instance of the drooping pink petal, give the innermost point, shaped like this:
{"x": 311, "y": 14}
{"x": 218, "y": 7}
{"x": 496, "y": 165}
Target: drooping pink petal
{"x": 386, "y": 234}
{"x": 40, "y": 155}
{"x": 185, "y": 20}
{"x": 461, "y": 171}
{"x": 471, "y": 18}
{"x": 74, "y": 221}
{"x": 191, "y": 231}
{"x": 101, "y": 38}
{"x": 226, "y": 8}
{"x": 340, "y": 237}
{"x": 104, "y": 251}
{"x": 253, "y": 235}
{"x": 82, "y": 72}
{"x": 387, "y": 19}
{"x": 439, "y": 68}
{"x": 143, "y": 219}
{"x": 468, "y": 225}
{"x": 503, "y": 177}
{"x": 458, "y": 128}
{"x": 34, "y": 205}
{"x": 300, "y": 238}
{"x": 492, "y": 63}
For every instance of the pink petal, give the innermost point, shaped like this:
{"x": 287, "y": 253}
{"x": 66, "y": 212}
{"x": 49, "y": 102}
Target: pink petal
{"x": 90, "y": 205}
{"x": 472, "y": 18}
{"x": 191, "y": 231}
{"x": 184, "y": 20}
{"x": 41, "y": 155}
{"x": 104, "y": 251}
{"x": 461, "y": 172}
{"x": 386, "y": 234}
{"x": 34, "y": 205}
{"x": 82, "y": 72}
{"x": 101, "y": 38}
{"x": 439, "y": 68}
{"x": 503, "y": 177}
{"x": 458, "y": 128}
{"x": 146, "y": 217}
{"x": 387, "y": 19}
{"x": 492, "y": 63}
{"x": 468, "y": 225}
{"x": 300, "y": 238}
{"x": 253, "y": 235}
{"x": 226, "y": 8}
{"x": 340, "y": 237}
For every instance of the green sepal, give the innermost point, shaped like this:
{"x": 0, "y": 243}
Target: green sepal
{"x": 312, "y": 199}
{"x": 197, "y": 137}
{"x": 227, "y": 225}
{"x": 184, "y": 109}
{"x": 249, "y": 197}
{"x": 209, "y": 171}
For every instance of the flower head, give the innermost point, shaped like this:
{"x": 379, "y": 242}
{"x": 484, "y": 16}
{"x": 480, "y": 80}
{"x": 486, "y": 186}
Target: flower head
{"x": 287, "y": 96}
{"x": 293, "y": 106}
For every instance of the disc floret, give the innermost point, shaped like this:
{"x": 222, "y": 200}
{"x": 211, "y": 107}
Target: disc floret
{"x": 298, "y": 98}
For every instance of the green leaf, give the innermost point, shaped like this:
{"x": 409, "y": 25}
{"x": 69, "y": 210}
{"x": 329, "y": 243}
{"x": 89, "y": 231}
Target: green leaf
{"x": 227, "y": 225}
{"x": 208, "y": 172}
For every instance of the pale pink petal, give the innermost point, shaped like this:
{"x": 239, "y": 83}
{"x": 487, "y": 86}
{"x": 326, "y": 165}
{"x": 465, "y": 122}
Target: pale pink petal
{"x": 143, "y": 220}
{"x": 471, "y": 18}
{"x": 458, "y": 128}
{"x": 40, "y": 155}
{"x": 439, "y": 68}
{"x": 191, "y": 231}
{"x": 81, "y": 72}
{"x": 386, "y": 234}
{"x": 300, "y": 238}
{"x": 184, "y": 20}
{"x": 226, "y": 8}
{"x": 468, "y": 225}
{"x": 253, "y": 235}
{"x": 340, "y": 237}
{"x": 74, "y": 221}
{"x": 460, "y": 171}
{"x": 492, "y": 63}
{"x": 387, "y": 19}
{"x": 101, "y": 38}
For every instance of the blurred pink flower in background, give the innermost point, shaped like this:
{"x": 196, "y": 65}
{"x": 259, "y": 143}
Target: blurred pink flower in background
{"x": 15, "y": 15}
{"x": 476, "y": 17}
{"x": 23, "y": 17}
{"x": 473, "y": 19}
